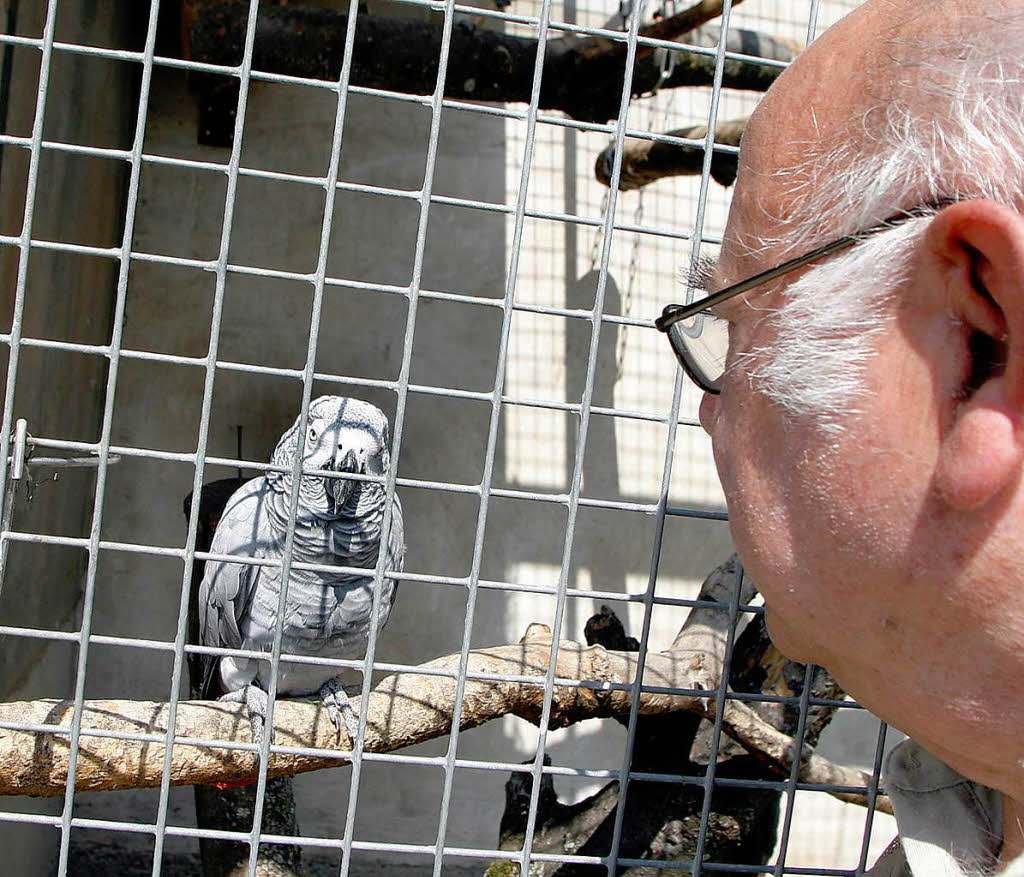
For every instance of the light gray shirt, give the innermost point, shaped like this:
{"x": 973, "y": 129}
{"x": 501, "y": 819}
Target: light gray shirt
{"x": 948, "y": 825}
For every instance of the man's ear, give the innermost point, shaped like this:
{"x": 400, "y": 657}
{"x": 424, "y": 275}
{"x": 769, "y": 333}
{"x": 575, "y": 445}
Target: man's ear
{"x": 978, "y": 250}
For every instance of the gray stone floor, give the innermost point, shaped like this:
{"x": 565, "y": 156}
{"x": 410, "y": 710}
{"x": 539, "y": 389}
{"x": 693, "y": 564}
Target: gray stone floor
{"x": 99, "y": 860}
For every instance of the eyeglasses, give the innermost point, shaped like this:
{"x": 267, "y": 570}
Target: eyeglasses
{"x": 700, "y": 340}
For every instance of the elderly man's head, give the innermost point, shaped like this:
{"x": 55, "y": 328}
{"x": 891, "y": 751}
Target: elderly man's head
{"x": 903, "y": 104}
{"x": 870, "y": 427}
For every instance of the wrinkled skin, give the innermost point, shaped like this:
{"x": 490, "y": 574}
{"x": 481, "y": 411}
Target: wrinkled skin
{"x": 891, "y": 553}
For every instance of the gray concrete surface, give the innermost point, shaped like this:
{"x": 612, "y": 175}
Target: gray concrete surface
{"x": 68, "y": 298}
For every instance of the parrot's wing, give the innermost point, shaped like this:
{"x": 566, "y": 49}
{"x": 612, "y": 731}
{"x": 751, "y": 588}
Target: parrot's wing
{"x": 227, "y": 590}
{"x": 396, "y": 539}
{"x": 353, "y": 618}
{"x": 395, "y": 561}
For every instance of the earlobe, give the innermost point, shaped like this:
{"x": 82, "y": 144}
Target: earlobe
{"x": 981, "y": 456}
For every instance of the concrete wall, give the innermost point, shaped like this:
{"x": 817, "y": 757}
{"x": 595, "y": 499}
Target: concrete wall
{"x": 266, "y": 321}
{"x": 69, "y": 298}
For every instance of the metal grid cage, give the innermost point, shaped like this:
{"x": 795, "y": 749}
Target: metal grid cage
{"x": 172, "y": 306}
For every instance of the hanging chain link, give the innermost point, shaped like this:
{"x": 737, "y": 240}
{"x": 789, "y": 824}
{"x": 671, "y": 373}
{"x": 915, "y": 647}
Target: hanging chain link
{"x": 627, "y": 299}
{"x": 667, "y": 65}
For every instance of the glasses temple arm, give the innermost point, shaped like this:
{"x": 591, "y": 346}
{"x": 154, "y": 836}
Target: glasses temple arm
{"x": 686, "y": 311}
{"x": 682, "y": 312}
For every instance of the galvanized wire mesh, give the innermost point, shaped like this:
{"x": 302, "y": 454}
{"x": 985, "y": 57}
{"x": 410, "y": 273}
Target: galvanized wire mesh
{"x": 672, "y": 227}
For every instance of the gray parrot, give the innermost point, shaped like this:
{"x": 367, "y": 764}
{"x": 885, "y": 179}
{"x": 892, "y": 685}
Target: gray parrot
{"x": 338, "y": 522}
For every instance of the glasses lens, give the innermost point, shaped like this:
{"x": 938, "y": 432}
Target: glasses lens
{"x": 701, "y": 344}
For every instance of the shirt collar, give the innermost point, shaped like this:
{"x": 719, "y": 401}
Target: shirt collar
{"x": 947, "y": 823}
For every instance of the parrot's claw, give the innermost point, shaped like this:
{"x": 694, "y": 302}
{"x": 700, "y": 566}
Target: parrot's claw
{"x": 338, "y": 707}
{"x": 256, "y": 703}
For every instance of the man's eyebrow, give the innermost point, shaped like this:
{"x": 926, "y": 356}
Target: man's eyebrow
{"x": 699, "y": 276}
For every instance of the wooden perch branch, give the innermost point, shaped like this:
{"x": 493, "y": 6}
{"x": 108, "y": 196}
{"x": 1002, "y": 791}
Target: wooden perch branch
{"x": 645, "y": 161}
{"x": 674, "y": 822}
{"x": 675, "y": 26}
{"x": 411, "y": 707}
{"x": 582, "y": 76}
{"x": 404, "y": 709}
{"x": 776, "y": 749}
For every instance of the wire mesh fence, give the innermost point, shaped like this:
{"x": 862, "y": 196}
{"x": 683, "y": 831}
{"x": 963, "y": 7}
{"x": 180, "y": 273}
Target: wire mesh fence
{"x": 195, "y": 246}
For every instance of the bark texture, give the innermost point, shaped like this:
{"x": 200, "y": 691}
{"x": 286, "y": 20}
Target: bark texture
{"x": 583, "y": 76}
{"x": 663, "y": 819}
{"x": 646, "y": 161}
{"x": 404, "y": 709}
{"x": 415, "y": 706}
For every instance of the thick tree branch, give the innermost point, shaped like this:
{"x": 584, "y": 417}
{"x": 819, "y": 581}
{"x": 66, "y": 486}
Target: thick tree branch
{"x": 775, "y": 749}
{"x": 582, "y": 76}
{"x": 666, "y": 821}
{"x": 645, "y": 161}
{"x": 404, "y": 709}
{"x": 681, "y": 23}
{"x": 409, "y": 708}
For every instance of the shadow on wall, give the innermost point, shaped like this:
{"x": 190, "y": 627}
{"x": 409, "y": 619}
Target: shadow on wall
{"x": 266, "y": 323}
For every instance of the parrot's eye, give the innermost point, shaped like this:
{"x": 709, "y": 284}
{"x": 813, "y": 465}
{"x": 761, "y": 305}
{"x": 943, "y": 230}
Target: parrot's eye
{"x": 312, "y": 433}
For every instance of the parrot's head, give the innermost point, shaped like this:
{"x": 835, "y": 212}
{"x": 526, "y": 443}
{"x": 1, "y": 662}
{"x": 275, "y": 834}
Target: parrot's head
{"x": 346, "y": 436}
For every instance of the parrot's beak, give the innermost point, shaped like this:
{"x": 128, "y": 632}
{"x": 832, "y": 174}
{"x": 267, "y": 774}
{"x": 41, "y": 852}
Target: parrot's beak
{"x": 349, "y": 463}
{"x": 341, "y": 488}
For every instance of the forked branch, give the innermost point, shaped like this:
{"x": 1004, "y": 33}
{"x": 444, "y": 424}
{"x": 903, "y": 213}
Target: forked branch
{"x": 402, "y": 710}
{"x": 582, "y": 76}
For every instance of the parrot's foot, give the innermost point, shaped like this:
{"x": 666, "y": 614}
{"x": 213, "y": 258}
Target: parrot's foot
{"x": 256, "y": 703}
{"x": 338, "y": 705}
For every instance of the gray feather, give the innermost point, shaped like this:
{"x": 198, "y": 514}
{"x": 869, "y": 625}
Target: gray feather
{"x": 338, "y": 523}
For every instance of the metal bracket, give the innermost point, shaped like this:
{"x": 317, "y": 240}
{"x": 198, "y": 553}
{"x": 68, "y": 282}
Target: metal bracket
{"x": 17, "y": 474}
{"x": 21, "y": 461}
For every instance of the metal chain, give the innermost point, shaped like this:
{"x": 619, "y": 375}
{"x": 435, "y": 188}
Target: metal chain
{"x": 595, "y": 249}
{"x": 667, "y": 62}
{"x": 627, "y": 299}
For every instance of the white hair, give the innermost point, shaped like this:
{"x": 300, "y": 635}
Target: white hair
{"x": 949, "y": 129}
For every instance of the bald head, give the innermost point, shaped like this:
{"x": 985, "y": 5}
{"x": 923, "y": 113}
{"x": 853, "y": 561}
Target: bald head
{"x": 901, "y": 104}
{"x": 896, "y": 83}
{"x": 873, "y": 547}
